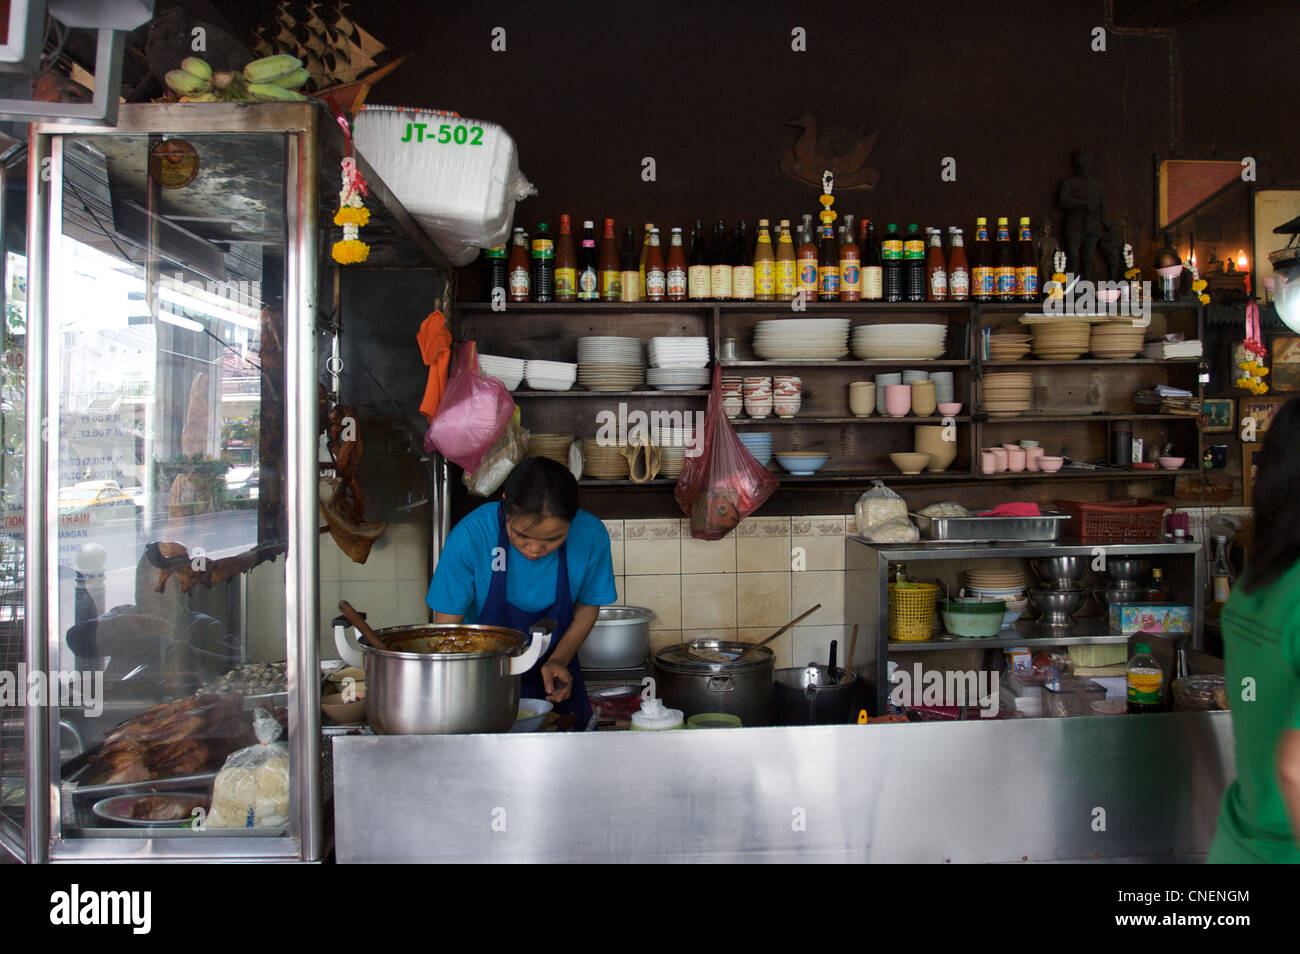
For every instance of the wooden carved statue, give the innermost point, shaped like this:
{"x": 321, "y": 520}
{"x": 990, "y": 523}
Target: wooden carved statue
{"x": 1083, "y": 199}
{"x": 844, "y": 154}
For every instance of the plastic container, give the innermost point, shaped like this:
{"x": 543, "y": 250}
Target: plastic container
{"x": 1146, "y": 681}
{"x": 911, "y": 611}
{"x": 714, "y": 720}
{"x": 974, "y": 619}
{"x": 1117, "y": 521}
{"x": 654, "y": 716}
{"x": 1069, "y": 696}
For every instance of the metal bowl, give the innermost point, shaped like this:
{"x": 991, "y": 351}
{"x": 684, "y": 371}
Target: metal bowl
{"x": 619, "y": 640}
{"x": 1110, "y": 595}
{"x": 1126, "y": 568}
{"x": 1057, "y": 606}
{"x": 1060, "y": 573}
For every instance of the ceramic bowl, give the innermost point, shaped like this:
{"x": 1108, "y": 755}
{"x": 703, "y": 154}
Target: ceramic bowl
{"x": 910, "y": 463}
{"x": 1172, "y": 463}
{"x": 802, "y": 463}
{"x": 950, "y": 409}
{"x": 1050, "y": 465}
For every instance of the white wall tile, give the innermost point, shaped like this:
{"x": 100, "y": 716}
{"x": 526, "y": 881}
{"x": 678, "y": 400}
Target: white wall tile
{"x": 708, "y": 601}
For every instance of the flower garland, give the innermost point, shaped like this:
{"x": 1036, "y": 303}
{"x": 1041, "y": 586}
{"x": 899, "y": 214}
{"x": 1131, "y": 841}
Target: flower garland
{"x": 1056, "y": 287}
{"x": 352, "y": 215}
{"x": 1198, "y": 284}
{"x": 1254, "y": 369}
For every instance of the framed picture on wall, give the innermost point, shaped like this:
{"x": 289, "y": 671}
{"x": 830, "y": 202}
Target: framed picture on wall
{"x": 1249, "y": 456}
{"x": 1261, "y": 409}
{"x": 1220, "y": 415}
{"x": 1269, "y": 209}
{"x": 1286, "y": 363}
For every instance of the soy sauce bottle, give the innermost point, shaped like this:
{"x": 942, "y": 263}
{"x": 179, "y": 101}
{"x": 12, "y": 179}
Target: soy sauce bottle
{"x": 914, "y": 264}
{"x": 891, "y": 248}
{"x": 543, "y": 264}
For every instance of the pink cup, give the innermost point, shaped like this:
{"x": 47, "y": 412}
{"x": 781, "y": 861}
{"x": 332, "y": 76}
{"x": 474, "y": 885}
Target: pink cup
{"x": 999, "y": 459}
{"x": 1010, "y": 447}
{"x": 898, "y": 399}
{"x": 987, "y": 464}
{"x": 1016, "y": 460}
{"x": 1032, "y": 455}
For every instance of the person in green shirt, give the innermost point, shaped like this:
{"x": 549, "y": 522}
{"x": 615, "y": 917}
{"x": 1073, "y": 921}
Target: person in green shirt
{"x": 1260, "y": 818}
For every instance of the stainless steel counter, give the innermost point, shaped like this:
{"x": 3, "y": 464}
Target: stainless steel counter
{"x": 1133, "y": 788}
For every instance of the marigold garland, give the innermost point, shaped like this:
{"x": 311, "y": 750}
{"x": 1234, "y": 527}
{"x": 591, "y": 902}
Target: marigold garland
{"x": 352, "y": 214}
{"x": 350, "y": 251}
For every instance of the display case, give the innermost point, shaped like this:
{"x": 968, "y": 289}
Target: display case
{"x": 176, "y": 268}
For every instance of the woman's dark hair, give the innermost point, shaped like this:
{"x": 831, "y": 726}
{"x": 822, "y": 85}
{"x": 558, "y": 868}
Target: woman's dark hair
{"x": 540, "y": 487}
{"x": 1276, "y": 545}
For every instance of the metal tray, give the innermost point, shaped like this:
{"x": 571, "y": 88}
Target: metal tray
{"x": 79, "y": 799}
{"x": 1045, "y": 528}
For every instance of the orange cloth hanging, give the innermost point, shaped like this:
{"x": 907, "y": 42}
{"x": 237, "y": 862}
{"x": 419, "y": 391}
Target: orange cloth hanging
{"x": 435, "y": 348}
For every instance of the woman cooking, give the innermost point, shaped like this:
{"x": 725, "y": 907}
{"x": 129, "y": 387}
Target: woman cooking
{"x": 534, "y": 555}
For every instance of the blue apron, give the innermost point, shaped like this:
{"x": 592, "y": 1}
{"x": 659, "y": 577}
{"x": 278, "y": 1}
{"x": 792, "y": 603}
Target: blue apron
{"x": 498, "y": 611}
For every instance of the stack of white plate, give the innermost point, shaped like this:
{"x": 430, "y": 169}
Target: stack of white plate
{"x": 1006, "y": 395}
{"x": 795, "y": 339}
{"x": 1008, "y": 585}
{"x": 678, "y": 352}
{"x": 604, "y": 462}
{"x": 609, "y": 363}
{"x": 1060, "y": 340}
{"x": 678, "y": 379}
{"x": 550, "y": 375}
{"x": 899, "y": 341}
{"x": 554, "y": 446}
{"x": 509, "y": 371}
{"x": 1116, "y": 340}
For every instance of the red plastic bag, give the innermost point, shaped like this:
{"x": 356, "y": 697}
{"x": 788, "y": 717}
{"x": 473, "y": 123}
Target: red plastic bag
{"x": 723, "y": 484}
{"x": 473, "y": 412}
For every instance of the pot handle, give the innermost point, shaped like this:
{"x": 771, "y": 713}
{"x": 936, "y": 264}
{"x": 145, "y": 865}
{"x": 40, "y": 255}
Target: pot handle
{"x": 541, "y": 633}
{"x": 348, "y": 652}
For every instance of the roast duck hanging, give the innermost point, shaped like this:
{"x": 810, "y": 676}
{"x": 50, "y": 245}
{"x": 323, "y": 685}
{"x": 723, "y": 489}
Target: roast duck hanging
{"x": 342, "y": 502}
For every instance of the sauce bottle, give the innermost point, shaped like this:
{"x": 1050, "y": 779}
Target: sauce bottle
{"x": 610, "y": 279}
{"x": 1026, "y": 264}
{"x": 1005, "y": 265}
{"x": 891, "y": 249}
{"x": 645, "y": 250}
{"x": 496, "y": 269}
{"x": 543, "y": 264}
{"x": 958, "y": 269}
{"x": 850, "y": 265}
{"x": 1220, "y": 576}
{"x": 1155, "y": 591}
{"x": 518, "y": 275}
{"x": 873, "y": 288}
{"x": 656, "y": 281}
{"x": 676, "y": 277}
{"x": 982, "y": 283}
{"x": 787, "y": 269}
{"x": 936, "y": 270}
{"x": 588, "y": 276}
{"x": 566, "y": 264}
{"x": 629, "y": 269}
{"x": 914, "y": 264}
{"x": 764, "y": 265}
{"x": 720, "y": 264}
{"x": 828, "y": 266}
{"x": 806, "y": 260}
{"x": 742, "y": 265}
{"x": 698, "y": 283}
{"x": 1146, "y": 681}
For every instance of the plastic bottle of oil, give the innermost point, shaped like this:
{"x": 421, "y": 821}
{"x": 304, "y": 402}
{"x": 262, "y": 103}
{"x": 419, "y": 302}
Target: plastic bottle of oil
{"x": 1146, "y": 681}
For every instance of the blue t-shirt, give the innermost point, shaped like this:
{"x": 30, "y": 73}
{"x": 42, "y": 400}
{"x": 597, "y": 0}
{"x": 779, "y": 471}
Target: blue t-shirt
{"x": 460, "y": 583}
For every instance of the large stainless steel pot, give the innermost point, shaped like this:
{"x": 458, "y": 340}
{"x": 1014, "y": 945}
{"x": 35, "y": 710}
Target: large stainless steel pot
{"x": 619, "y": 640}
{"x": 411, "y": 691}
{"x": 741, "y": 689}
{"x": 811, "y": 695}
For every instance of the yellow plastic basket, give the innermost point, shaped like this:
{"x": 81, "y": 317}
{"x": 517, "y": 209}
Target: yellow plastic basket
{"x": 911, "y": 611}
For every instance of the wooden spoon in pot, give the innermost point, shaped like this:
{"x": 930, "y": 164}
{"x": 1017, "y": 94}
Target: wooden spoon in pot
{"x": 752, "y": 649}
{"x": 356, "y": 619}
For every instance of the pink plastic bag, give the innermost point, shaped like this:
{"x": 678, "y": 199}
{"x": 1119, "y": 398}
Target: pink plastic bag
{"x": 474, "y": 412}
{"x": 724, "y": 484}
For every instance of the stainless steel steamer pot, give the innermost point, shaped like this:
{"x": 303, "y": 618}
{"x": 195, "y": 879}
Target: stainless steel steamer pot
{"x": 741, "y": 689}
{"x": 412, "y": 692}
{"x": 619, "y": 640}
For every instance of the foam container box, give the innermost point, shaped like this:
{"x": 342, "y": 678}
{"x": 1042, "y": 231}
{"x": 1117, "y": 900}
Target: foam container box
{"x": 458, "y": 178}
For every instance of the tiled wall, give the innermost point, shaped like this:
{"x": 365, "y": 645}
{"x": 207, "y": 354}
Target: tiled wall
{"x": 745, "y": 586}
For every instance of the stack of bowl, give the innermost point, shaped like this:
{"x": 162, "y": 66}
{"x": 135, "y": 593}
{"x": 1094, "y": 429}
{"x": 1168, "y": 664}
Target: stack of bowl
{"x": 1006, "y": 584}
{"x": 550, "y": 375}
{"x": 1060, "y": 595}
{"x": 509, "y": 371}
{"x": 943, "y": 392}
{"x": 604, "y": 461}
{"x": 759, "y": 445}
{"x": 554, "y": 446}
{"x": 757, "y": 394}
{"x": 1116, "y": 339}
{"x": 883, "y": 381}
{"x": 787, "y": 395}
{"x": 1060, "y": 340}
{"x": 610, "y": 363}
{"x": 1007, "y": 394}
{"x": 1126, "y": 576}
{"x": 733, "y": 396}
{"x": 1008, "y": 347}
{"x": 674, "y": 442}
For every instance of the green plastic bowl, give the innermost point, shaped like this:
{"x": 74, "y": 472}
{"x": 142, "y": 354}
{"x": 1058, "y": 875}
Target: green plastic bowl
{"x": 974, "y": 619}
{"x": 713, "y": 720}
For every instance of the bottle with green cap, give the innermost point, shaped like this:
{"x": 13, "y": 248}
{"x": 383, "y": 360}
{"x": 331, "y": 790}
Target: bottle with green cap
{"x": 914, "y": 264}
{"x": 1146, "y": 681}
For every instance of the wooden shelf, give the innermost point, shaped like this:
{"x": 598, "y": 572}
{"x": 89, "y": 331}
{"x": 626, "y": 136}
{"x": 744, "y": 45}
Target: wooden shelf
{"x": 1108, "y": 474}
{"x": 874, "y": 419}
{"x": 1027, "y": 363}
{"x": 1086, "y": 418}
{"x": 578, "y": 393}
{"x": 850, "y": 363}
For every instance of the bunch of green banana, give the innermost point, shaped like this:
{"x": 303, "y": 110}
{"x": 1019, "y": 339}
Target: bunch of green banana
{"x": 270, "y": 79}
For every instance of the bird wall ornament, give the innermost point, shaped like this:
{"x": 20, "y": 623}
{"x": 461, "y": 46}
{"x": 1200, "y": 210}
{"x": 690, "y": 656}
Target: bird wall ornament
{"x": 844, "y": 153}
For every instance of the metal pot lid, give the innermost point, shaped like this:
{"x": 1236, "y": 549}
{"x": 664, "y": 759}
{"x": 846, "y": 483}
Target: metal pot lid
{"x": 427, "y": 641}
{"x": 674, "y": 657}
{"x": 614, "y": 615}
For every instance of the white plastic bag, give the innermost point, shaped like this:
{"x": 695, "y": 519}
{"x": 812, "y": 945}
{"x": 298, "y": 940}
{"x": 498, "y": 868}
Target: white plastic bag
{"x": 501, "y": 459}
{"x": 252, "y": 788}
{"x": 877, "y": 506}
{"x": 459, "y": 178}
